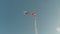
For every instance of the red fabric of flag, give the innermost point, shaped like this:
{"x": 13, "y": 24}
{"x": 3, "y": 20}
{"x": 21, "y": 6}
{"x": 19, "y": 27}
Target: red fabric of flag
{"x": 29, "y": 13}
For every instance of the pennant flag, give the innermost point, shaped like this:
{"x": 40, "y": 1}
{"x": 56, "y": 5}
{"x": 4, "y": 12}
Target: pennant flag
{"x": 29, "y": 13}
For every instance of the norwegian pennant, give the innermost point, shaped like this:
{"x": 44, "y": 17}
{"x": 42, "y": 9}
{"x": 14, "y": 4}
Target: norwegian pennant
{"x": 29, "y": 13}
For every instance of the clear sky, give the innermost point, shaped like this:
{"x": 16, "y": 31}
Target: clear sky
{"x": 13, "y": 20}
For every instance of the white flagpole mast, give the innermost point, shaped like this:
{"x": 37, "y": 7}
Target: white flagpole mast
{"x": 35, "y": 23}
{"x": 36, "y": 31}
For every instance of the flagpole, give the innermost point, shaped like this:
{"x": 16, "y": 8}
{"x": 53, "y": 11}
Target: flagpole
{"x": 35, "y": 21}
{"x": 36, "y": 31}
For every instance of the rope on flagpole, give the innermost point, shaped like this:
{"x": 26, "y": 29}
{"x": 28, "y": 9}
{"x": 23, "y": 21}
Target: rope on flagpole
{"x": 36, "y": 31}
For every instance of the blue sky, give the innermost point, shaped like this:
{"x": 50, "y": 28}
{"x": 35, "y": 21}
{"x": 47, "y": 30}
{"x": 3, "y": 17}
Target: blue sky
{"x": 13, "y": 20}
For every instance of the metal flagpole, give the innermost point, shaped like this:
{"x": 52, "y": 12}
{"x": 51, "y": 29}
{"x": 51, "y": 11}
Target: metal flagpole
{"x": 35, "y": 17}
{"x": 36, "y": 31}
